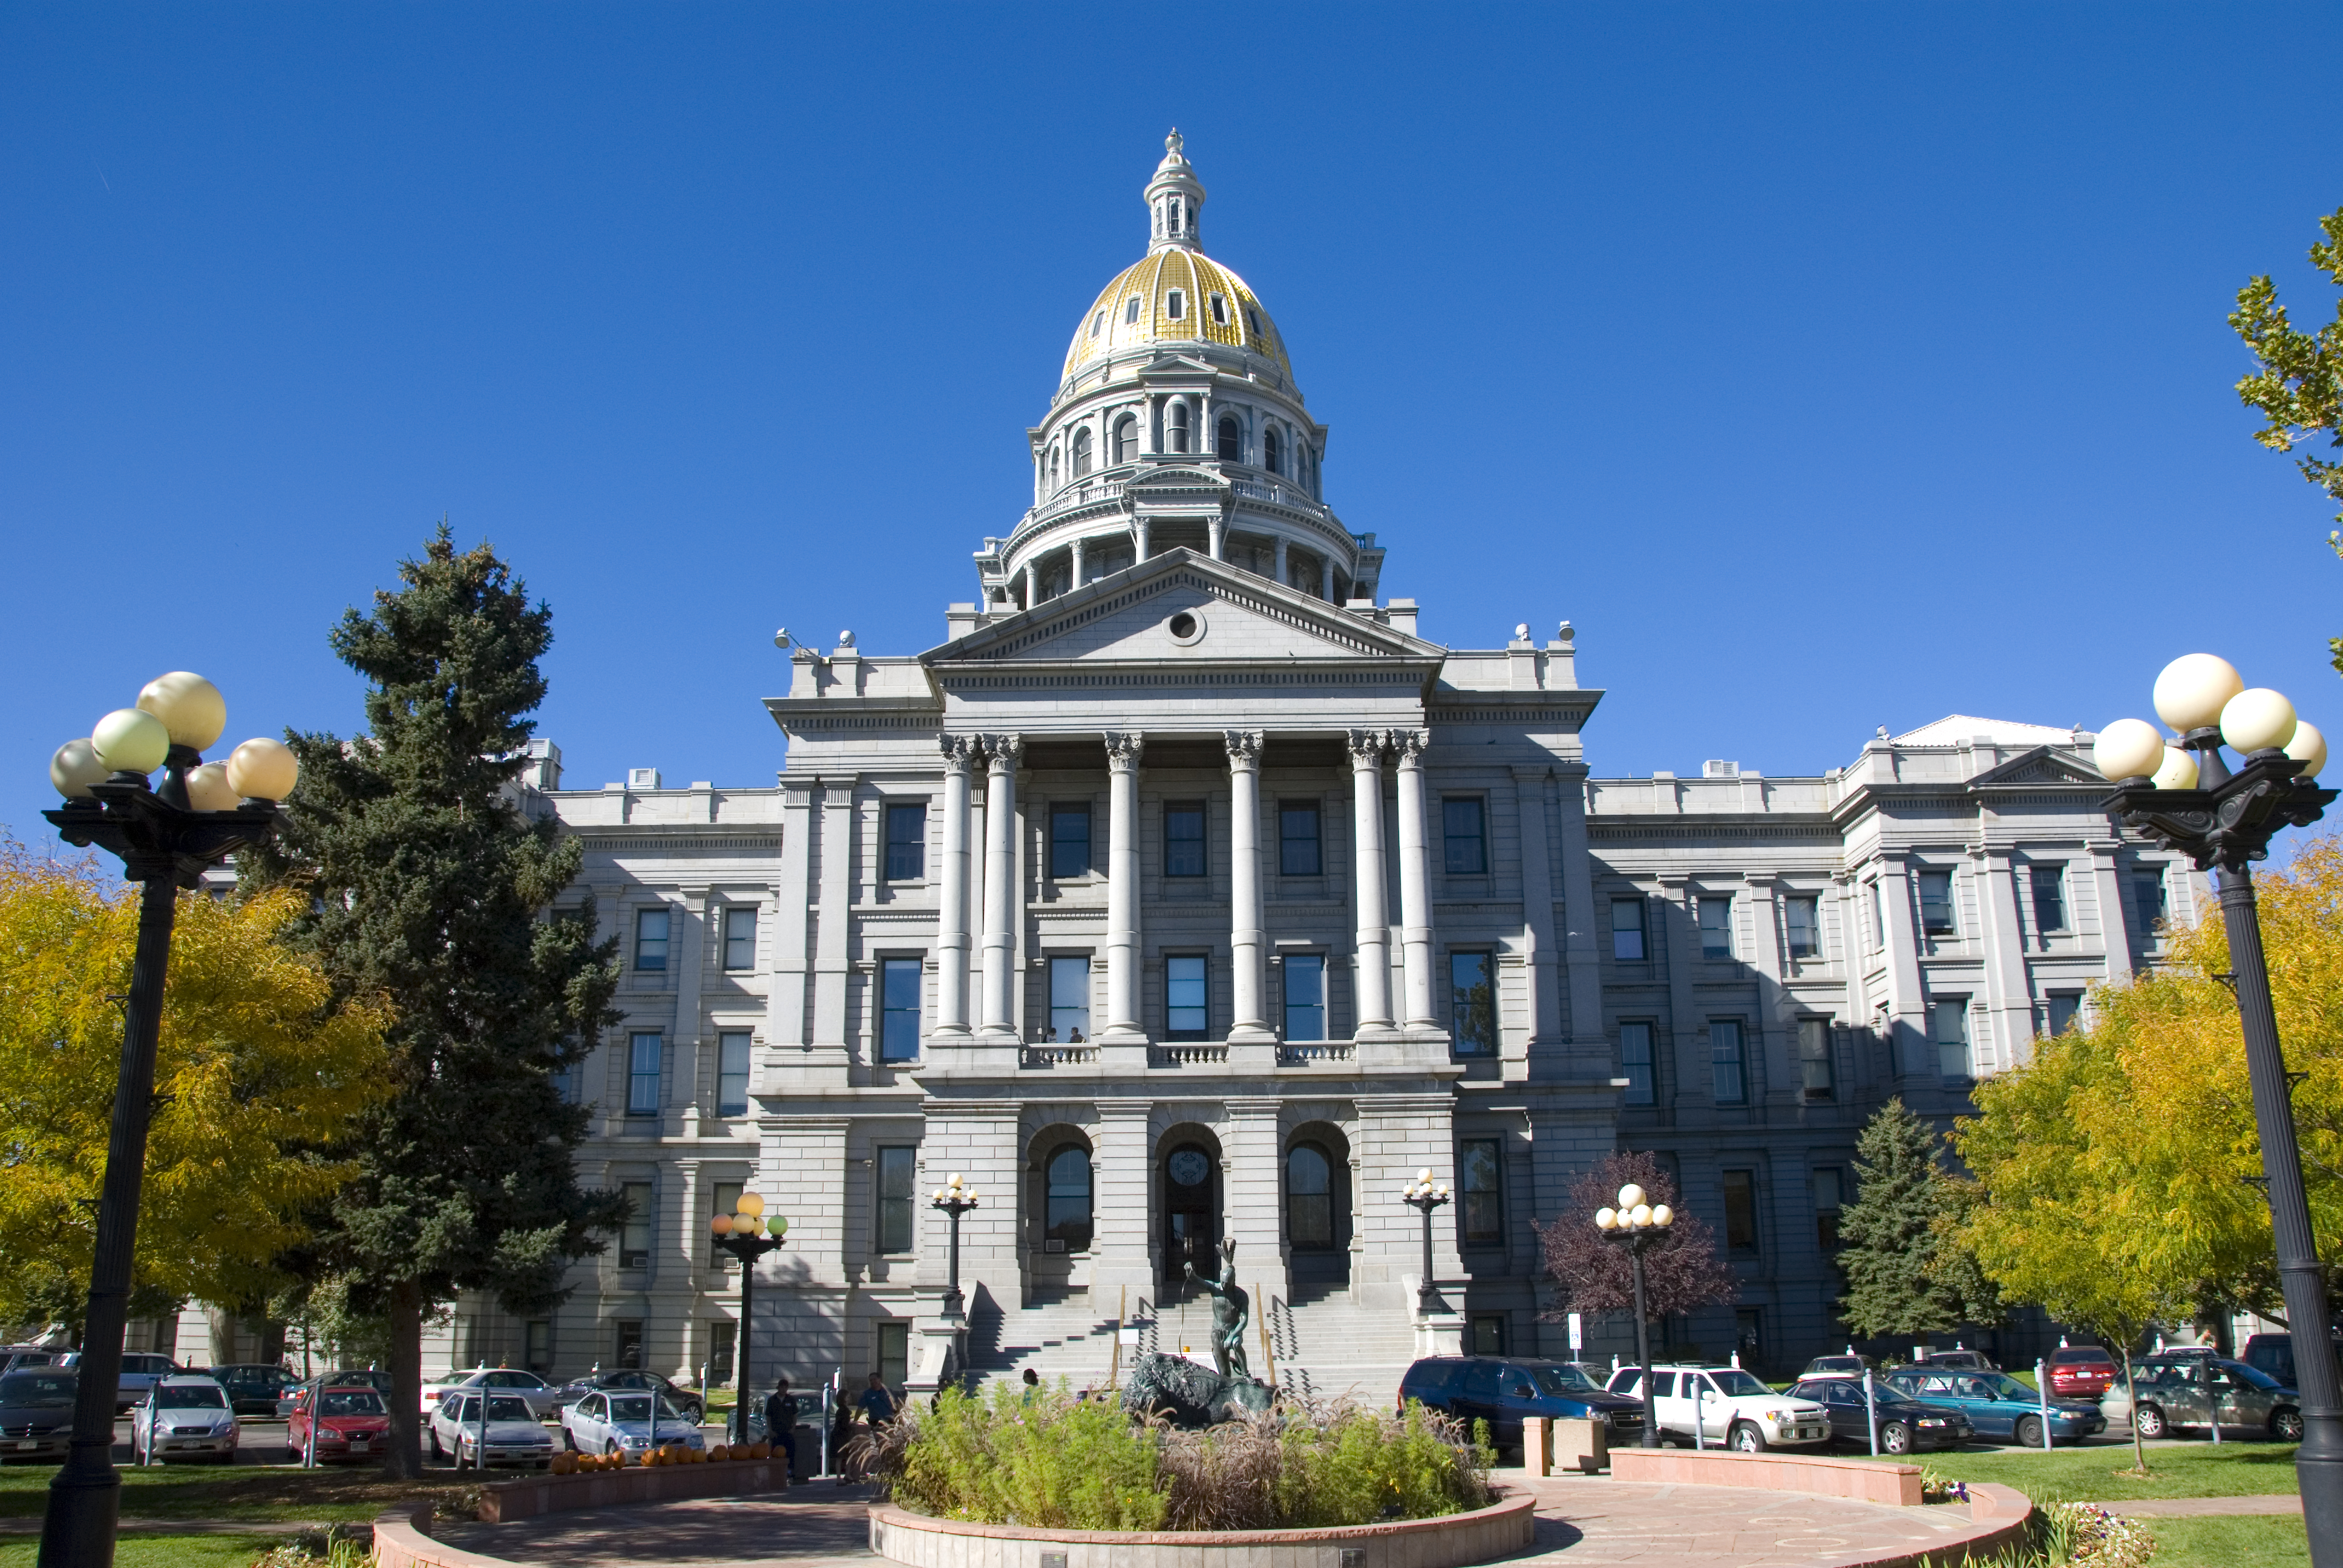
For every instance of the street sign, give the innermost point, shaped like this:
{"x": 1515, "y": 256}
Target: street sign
{"x": 1577, "y": 1333}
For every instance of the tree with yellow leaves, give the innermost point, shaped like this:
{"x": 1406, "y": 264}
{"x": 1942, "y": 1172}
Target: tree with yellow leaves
{"x": 257, "y": 1076}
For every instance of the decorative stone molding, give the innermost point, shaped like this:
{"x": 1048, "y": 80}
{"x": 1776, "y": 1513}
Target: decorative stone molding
{"x": 1004, "y": 752}
{"x": 960, "y": 752}
{"x": 1244, "y": 747}
{"x": 1366, "y": 746}
{"x": 1124, "y": 747}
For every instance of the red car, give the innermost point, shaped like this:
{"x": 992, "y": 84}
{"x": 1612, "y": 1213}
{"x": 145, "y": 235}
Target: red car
{"x": 2081, "y": 1371}
{"x": 352, "y": 1423}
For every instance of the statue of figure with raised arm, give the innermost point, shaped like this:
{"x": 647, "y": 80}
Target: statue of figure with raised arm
{"x": 1231, "y": 1315}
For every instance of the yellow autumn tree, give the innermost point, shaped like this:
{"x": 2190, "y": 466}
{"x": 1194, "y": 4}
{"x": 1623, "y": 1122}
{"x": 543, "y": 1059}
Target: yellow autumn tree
{"x": 257, "y": 1075}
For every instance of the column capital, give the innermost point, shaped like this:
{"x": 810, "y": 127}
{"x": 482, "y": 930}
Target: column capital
{"x": 1123, "y": 748}
{"x": 1366, "y": 747}
{"x": 1002, "y": 752}
{"x": 1244, "y": 748}
{"x": 1410, "y": 745}
{"x": 960, "y": 752}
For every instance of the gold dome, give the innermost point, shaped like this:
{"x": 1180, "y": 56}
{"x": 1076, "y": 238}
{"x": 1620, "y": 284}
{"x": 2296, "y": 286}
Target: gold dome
{"x": 1212, "y": 305}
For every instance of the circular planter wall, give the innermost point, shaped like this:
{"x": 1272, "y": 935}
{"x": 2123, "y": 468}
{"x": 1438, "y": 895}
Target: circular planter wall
{"x": 917, "y": 1540}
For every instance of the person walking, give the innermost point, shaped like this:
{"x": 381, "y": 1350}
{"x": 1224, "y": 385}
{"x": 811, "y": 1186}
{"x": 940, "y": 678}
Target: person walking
{"x": 877, "y": 1402}
{"x": 782, "y": 1421}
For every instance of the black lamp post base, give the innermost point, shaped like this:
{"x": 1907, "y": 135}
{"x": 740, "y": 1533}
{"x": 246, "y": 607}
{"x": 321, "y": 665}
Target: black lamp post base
{"x": 85, "y": 1504}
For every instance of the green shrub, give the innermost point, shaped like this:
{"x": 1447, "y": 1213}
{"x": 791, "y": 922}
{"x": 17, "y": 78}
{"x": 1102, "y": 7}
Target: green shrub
{"x": 1049, "y": 1462}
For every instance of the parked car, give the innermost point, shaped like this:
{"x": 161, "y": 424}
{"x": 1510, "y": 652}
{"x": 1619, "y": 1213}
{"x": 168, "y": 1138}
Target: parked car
{"x": 2169, "y": 1395}
{"x": 14, "y": 1357}
{"x": 1504, "y": 1390}
{"x": 687, "y": 1404}
{"x": 1904, "y": 1424}
{"x": 37, "y": 1410}
{"x": 2274, "y": 1354}
{"x": 514, "y": 1433}
{"x": 351, "y": 1419}
{"x": 543, "y": 1399}
{"x": 290, "y": 1399}
{"x": 1736, "y": 1411}
{"x": 1852, "y": 1366}
{"x": 185, "y": 1416}
{"x": 1999, "y": 1406}
{"x": 139, "y": 1371}
{"x": 252, "y": 1389}
{"x": 2080, "y": 1371}
{"x": 1955, "y": 1358}
{"x": 618, "y": 1420}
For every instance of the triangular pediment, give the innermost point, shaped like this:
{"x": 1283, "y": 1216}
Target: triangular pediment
{"x": 1181, "y": 606}
{"x": 2037, "y": 766}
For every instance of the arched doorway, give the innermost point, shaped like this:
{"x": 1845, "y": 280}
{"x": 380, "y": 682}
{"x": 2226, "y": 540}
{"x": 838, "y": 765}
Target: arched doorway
{"x": 1189, "y": 1180}
{"x": 1317, "y": 1181}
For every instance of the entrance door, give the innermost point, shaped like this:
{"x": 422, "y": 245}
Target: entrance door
{"x": 1192, "y": 1216}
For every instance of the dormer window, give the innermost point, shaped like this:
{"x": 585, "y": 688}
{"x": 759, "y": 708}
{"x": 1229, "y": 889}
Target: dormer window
{"x": 1130, "y": 311}
{"x": 1254, "y": 317}
{"x": 1219, "y": 311}
{"x": 1098, "y": 323}
{"x": 1176, "y": 305}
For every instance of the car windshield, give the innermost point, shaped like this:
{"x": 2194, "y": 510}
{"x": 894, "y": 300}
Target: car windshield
{"x": 37, "y": 1388}
{"x": 631, "y": 1407}
{"x": 509, "y": 1407}
{"x": 2252, "y": 1377}
{"x": 190, "y": 1396}
{"x": 353, "y": 1401}
{"x": 1734, "y": 1383}
{"x": 1562, "y": 1379}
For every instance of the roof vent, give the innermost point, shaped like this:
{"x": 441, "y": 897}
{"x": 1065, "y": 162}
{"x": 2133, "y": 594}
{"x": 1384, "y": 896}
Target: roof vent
{"x": 642, "y": 778}
{"x": 1715, "y": 767}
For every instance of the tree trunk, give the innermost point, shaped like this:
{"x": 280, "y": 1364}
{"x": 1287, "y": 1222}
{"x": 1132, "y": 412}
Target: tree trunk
{"x": 2138, "y": 1448}
{"x": 403, "y": 1461}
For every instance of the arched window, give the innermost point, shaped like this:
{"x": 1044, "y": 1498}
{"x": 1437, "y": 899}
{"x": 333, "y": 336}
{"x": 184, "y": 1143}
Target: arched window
{"x": 1081, "y": 451}
{"x": 1232, "y": 442}
{"x": 1309, "y": 1197}
{"x": 1270, "y": 454}
{"x": 1068, "y": 1215}
{"x": 1053, "y": 467}
{"x": 1178, "y": 421}
{"x": 1126, "y": 439}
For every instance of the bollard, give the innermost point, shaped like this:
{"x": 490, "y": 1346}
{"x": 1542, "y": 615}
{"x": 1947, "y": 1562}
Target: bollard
{"x": 1537, "y": 1445}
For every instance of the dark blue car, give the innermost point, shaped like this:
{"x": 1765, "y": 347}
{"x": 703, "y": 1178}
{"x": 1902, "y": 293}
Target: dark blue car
{"x": 1503, "y": 1390}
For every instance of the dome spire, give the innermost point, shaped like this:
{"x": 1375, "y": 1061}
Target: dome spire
{"x": 1174, "y": 197}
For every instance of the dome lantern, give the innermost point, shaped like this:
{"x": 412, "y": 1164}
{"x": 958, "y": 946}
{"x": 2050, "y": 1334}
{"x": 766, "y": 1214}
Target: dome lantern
{"x": 1174, "y": 197}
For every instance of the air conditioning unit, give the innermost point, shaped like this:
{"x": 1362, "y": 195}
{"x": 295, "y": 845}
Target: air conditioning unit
{"x": 1716, "y": 768}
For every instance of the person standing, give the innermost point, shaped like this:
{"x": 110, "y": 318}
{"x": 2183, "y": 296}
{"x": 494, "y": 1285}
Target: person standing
{"x": 877, "y": 1403}
{"x": 782, "y": 1421}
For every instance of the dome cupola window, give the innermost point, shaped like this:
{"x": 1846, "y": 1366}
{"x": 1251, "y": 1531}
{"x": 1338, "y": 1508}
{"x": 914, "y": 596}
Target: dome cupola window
{"x": 1268, "y": 453}
{"x": 1082, "y": 453}
{"x": 1232, "y": 442}
{"x": 1220, "y": 306}
{"x": 1098, "y": 323}
{"x": 1176, "y": 305}
{"x": 1126, "y": 439}
{"x": 1130, "y": 311}
{"x": 1176, "y": 427}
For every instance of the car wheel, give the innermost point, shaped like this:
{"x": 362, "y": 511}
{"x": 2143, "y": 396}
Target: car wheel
{"x": 2029, "y": 1432}
{"x": 437, "y": 1450}
{"x": 1895, "y": 1438}
{"x": 2148, "y": 1421}
{"x": 2286, "y": 1425}
{"x": 568, "y": 1441}
{"x": 1745, "y": 1439}
{"x": 611, "y": 1449}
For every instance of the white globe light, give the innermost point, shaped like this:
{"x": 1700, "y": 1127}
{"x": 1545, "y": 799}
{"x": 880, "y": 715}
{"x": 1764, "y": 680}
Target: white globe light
{"x": 1424, "y": 1175}
{"x": 263, "y": 770}
{"x": 130, "y": 740}
{"x": 2308, "y": 748}
{"x": 1662, "y": 1216}
{"x": 208, "y": 789}
{"x": 75, "y": 769}
{"x": 2190, "y": 693}
{"x": 2257, "y": 721}
{"x": 1641, "y": 1217}
{"x": 1630, "y": 1195}
{"x": 1606, "y": 1219}
{"x": 2128, "y": 748}
{"x": 2179, "y": 771}
{"x": 190, "y": 706}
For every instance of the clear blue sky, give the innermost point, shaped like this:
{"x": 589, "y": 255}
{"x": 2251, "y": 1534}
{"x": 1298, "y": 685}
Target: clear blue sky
{"x": 1828, "y": 366}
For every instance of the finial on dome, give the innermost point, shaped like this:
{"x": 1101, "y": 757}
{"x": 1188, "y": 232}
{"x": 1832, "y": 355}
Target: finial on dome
{"x": 1174, "y": 198}
{"x": 1172, "y": 145}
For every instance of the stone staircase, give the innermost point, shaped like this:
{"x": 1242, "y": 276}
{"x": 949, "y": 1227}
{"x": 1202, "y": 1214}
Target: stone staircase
{"x": 1062, "y": 1338}
{"x": 1329, "y": 1347}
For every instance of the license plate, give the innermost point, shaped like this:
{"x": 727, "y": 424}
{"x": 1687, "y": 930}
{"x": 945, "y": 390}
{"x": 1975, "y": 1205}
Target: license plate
{"x": 357, "y": 1445}
{"x": 24, "y": 1445}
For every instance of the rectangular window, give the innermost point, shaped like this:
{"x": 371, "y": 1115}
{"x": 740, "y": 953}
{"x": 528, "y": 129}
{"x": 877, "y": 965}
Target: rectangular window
{"x": 720, "y": 1199}
{"x": 1948, "y": 1023}
{"x": 1472, "y": 1000}
{"x": 1830, "y": 1194}
{"x": 1726, "y": 1065}
{"x": 2049, "y": 898}
{"x": 1297, "y": 840}
{"x": 1878, "y": 919}
{"x": 1305, "y": 997}
{"x": 1806, "y": 926}
{"x": 1741, "y": 1212}
{"x": 1716, "y": 926}
{"x": 646, "y": 1054}
{"x": 732, "y": 1073}
{"x": 1815, "y": 1059}
{"x": 898, "y": 1012}
{"x": 1636, "y": 1063}
{"x": 635, "y": 1234}
{"x": 651, "y": 940}
{"x": 1489, "y": 1333}
{"x": 1069, "y": 998}
{"x": 897, "y": 1172}
{"x": 1186, "y": 1013}
{"x": 2147, "y": 897}
{"x": 1461, "y": 832}
{"x": 1627, "y": 930}
{"x": 2064, "y": 1006}
{"x": 907, "y": 842}
{"x": 1936, "y": 903}
{"x": 720, "y": 1351}
{"x": 1184, "y": 839}
{"x": 1070, "y": 840}
{"x": 740, "y": 939}
{"x": 894, "y": 1354}
{"x": 628, "y": 1352}
{"x": 1477, "y": 1180}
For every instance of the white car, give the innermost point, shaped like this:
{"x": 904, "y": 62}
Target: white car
{"x": 542, "y": 1399}
{"x": 184, "y": 1418}
{"x": 514, "y": 1435}
{"x": 618, "y": 1420}
{"x": 1736, "y": 1411}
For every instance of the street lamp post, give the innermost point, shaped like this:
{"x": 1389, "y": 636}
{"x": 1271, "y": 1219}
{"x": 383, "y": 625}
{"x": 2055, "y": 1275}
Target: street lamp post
{"x": 738, "y": 1235}
{"x": 1423, "y": 1195}
{"x": 1639, "y": 1227}
{"x": 954, "y": 1201}
{"x": 2184, "y": 797}
{"x": 166, "y": 839}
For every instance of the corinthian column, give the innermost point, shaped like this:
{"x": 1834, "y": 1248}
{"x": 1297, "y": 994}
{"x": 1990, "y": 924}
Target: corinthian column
{"x": 1000, "y": 879}
{"x": 1374, "y": 945}
{"x": 1414, "y": 905}
{"x": 1123, "y": 753}
{"x": 951, "y": 910}
{"x": 1244, "y": 886}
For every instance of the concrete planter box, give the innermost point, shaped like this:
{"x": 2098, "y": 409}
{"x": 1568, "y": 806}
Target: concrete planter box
{"x": 1482, "y": 1536}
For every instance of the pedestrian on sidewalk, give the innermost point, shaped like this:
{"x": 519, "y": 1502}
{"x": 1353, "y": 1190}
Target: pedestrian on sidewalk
{"x": 782, "y": 1421}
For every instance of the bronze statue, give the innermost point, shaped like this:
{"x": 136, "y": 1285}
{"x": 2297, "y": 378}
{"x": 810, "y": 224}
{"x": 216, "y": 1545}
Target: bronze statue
{"x": 1231, "y": 1314}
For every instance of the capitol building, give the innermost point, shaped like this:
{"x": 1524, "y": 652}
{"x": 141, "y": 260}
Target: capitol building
{"x": 1182, "y": 892}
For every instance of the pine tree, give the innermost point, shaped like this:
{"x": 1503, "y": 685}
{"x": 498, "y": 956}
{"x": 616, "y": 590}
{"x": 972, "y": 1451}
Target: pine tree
{"x": 429, "y": 886}
{"x": 1904, "y": 1276}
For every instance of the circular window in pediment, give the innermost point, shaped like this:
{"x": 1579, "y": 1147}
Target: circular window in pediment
{"x": 1187, "y": 628}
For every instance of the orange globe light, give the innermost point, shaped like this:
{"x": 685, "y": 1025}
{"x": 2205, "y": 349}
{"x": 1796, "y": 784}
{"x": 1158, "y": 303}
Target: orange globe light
{"x": 719, "y": 1224}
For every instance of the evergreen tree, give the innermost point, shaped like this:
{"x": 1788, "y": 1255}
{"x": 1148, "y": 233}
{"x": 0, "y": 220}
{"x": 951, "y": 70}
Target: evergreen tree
{"x": 1905, "y": 1276}
{"x": 429, "y": 886}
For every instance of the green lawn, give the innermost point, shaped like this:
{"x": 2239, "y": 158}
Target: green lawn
{"x": 2091, "y": 1474}
{"x": 2264, "y": 1541}
{"x": 158, "y": 1551}
{"x": 240, "y": 1492}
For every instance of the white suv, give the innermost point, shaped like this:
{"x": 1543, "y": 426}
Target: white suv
{"x": 1736, "y": 1411}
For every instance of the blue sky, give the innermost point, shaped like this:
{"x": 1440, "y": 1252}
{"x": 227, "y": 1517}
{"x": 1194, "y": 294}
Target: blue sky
{"x": 1828, "y": 366}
